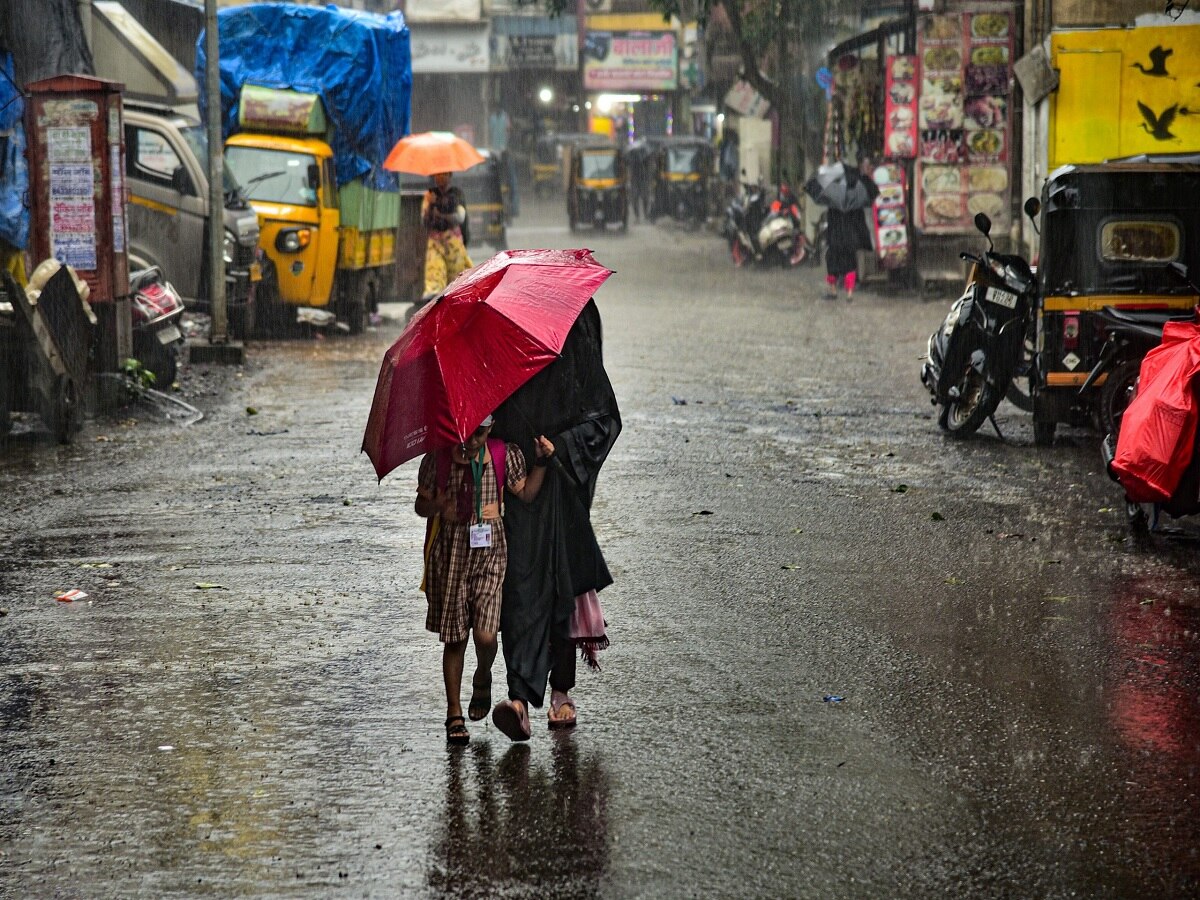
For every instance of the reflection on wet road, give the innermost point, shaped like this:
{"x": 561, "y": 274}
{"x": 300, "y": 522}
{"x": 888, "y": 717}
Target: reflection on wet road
{"x": 246, "y": 704}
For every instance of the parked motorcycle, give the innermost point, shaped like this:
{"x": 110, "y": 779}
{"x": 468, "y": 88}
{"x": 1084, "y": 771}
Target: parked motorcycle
{"x": 156, "y": 309}
{"x": 762, "y": 230}
{"x": 972, "y": 357}
{"x": 1131, "y": 335}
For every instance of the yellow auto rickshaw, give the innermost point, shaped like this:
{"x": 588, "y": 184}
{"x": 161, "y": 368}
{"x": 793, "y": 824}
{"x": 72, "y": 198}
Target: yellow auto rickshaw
{"x": 545, "y": 168}
{"x": 597, "y": 191}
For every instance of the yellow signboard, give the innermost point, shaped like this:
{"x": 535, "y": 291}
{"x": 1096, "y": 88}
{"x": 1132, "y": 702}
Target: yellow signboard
{"x": 1125, "y": 91}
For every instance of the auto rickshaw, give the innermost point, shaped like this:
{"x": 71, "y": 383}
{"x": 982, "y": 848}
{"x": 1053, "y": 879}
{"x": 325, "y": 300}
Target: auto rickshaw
{"x": 682, "y": 169}
{"x": 486, "y": 191}
{"x": 1109, "y": 234}
{"x": 597, "y": 192}
{"x": 545, "y": 168}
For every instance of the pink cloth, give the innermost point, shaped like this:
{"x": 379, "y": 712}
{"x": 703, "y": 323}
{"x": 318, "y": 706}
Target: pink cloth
{"x": 588, "y": 628}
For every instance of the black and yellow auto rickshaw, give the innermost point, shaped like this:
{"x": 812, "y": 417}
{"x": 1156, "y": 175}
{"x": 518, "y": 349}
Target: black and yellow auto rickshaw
{"x": 682, "y": 169}
{"x": 1109, "y": 235}
{"x": 597, "y": 190}
{"x": 486, "y": 191}
{"x": 545, "y": 167}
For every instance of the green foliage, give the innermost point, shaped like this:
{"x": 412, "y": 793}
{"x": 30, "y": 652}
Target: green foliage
{"x": 140, "y": 378}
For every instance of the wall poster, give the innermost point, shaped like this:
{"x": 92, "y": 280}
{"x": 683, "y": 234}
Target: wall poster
{"x": 72, "y": 196}
{"x": 964, "y": 121}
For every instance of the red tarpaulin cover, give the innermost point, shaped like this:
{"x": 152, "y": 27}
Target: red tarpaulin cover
{"x": 1158, "y": 430}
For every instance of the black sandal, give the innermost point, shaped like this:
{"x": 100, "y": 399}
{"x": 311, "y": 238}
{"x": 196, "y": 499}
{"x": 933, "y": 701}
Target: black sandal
{"x": 481, "y": 700}
{"x": 456, "y": 731}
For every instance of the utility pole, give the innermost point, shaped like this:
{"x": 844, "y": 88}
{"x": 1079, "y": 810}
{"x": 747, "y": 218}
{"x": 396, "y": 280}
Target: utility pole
{"x": 219, "y": 330}
{"x": 219, "y": 348}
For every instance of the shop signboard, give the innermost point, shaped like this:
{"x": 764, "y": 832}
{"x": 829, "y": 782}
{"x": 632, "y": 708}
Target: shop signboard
{"x": 630, "y": 61}
{"x": 889, "y": 215}
{"x": 450, "y": 49}
{"x": 900, "y": 129}
{"x": 746, "y": 101}
{"x": 418, "y": 11}
{"x": 964, "y": 120}
{"x": 535, "y": 51}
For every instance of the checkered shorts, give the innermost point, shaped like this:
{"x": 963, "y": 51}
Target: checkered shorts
{"x": 464, "y": 586}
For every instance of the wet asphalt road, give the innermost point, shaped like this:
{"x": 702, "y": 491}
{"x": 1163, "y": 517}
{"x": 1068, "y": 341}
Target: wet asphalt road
{"x": 1020, "y": 681}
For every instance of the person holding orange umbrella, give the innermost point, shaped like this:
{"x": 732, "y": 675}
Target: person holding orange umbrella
{"x": 444, "y": 215}
{"x": 444, "y": 209}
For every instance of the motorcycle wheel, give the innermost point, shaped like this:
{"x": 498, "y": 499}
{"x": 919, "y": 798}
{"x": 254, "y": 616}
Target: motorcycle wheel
{"x": 977, "y": 399}
{"x": 163, "y": 361}
{"x": 1116, "y": 394}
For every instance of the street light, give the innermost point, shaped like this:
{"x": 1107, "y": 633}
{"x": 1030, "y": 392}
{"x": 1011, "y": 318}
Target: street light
{"x": 546, "y": 95}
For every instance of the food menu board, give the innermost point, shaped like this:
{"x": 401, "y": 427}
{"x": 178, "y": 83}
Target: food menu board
{"x": 900, "y": 129}
{"x": 890, "y": 216}
{"x": 964, "y": 120}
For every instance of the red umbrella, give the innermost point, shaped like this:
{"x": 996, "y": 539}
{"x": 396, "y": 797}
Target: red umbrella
{"x": 464, "y": 354}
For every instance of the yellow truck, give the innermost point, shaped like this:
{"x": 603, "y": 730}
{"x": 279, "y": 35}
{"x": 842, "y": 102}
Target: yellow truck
{"x": 312, "y": 100}
{"x": 327, "y": 247}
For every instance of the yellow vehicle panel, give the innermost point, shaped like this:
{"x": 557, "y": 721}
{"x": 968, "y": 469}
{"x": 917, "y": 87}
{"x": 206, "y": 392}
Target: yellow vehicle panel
{"x": 1119, "y": 95}
{"x": 1123, "y": 301}
{"x": 306, "y": 276}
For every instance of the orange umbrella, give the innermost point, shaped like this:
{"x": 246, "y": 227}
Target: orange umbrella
{"x": 432, "y": 152}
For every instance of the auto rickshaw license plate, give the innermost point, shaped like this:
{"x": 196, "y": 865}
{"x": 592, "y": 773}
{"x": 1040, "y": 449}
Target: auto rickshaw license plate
{"x": 1001, "y": 298}
{"x": 255, "y": 272}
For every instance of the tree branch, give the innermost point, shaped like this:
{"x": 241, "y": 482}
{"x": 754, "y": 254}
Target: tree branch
{"x": 751, "y": 71}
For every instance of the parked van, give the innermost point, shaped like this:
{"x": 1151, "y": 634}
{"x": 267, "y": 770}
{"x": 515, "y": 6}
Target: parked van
{"x": 166, "y": 171}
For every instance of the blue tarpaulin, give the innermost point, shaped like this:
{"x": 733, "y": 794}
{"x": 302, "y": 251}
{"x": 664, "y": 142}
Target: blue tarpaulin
{"x": 14, "y": 171}
{"x": 359, "y": 63}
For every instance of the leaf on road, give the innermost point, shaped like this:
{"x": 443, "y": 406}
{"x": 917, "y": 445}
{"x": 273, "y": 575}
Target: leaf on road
{"x": 210, "y": 586}
{"x": 900, "y": 489}
{"x": 954, "y": 581}
{"x": 703, "y": 512}
{"x": 937, "y": 517}
{"x": 789, "y": 566}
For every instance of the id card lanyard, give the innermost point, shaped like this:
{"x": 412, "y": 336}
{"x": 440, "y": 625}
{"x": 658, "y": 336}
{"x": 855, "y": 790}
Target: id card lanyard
{"x": 480, "y": 532}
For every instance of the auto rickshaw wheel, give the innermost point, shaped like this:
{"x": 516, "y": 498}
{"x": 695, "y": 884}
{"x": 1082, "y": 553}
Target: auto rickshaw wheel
{"x": 1116, "y": 394}
{"x": 67, "y": 416}
{"x": 1043, "y": 433}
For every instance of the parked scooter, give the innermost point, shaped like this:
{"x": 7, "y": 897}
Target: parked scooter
{"x": 157, "y": 310}
{"x": 972, "y": 357}
{"x": 762, "y": 230}
{"x": 1131, "y": 335}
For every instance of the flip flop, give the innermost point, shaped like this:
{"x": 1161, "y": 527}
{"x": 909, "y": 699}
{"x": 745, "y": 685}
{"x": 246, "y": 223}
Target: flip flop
{"x": 556, "y": 705}
{"x": 456, "y": 731}
{"x": 481, "y": 700}
{"x": 514, "y": 724}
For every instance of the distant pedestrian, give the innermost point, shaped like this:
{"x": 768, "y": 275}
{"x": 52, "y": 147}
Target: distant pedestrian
{"x": 847, "y": 192}
{"x": 499, "y": 131}
{"x": 444, "y": 214}
{"x": 641, "y": 174}
{"x": 466, "y": 556}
